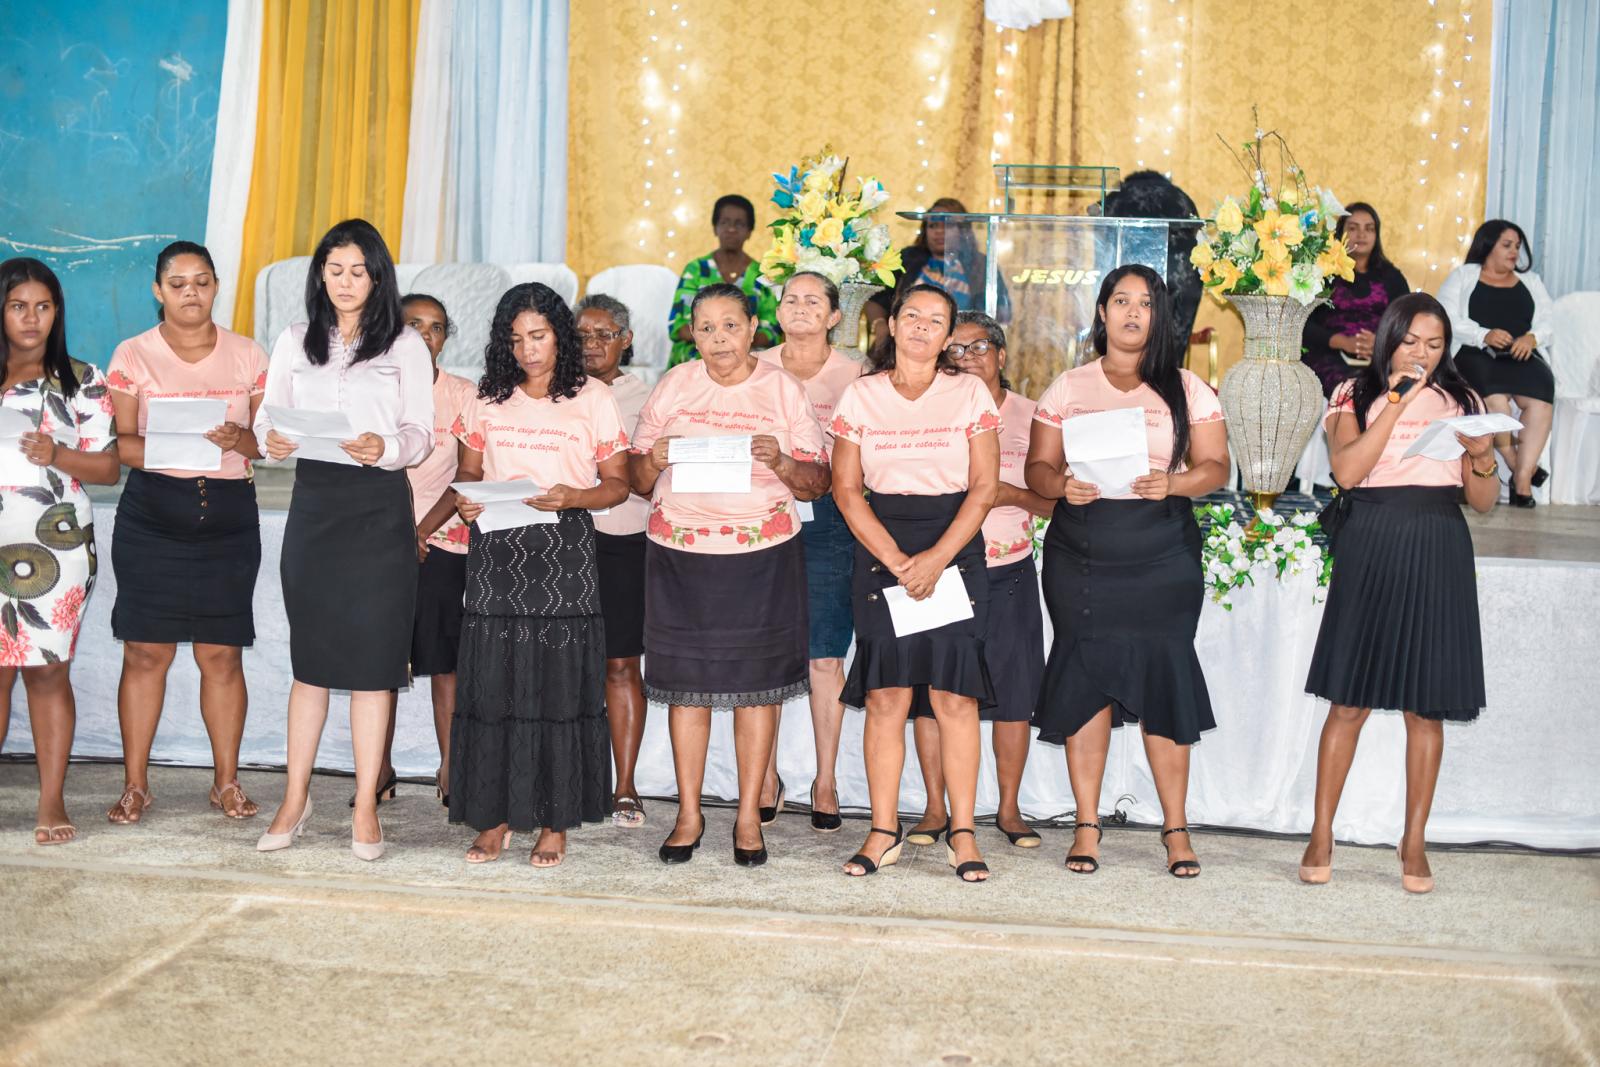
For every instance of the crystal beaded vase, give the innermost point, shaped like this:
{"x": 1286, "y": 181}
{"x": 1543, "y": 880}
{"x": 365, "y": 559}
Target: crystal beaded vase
{"x": 1272, "y": 400}
{"x": 853, "y": 296}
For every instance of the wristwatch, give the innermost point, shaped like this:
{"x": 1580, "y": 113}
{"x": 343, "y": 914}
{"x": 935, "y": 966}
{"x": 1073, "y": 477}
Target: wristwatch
{"x": 1494, "y": 468}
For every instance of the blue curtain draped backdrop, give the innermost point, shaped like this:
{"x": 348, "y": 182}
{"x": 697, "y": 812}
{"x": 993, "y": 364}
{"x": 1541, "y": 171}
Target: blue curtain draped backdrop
{"x": 108, "y": 113}
{"x": 1544, "y": 140}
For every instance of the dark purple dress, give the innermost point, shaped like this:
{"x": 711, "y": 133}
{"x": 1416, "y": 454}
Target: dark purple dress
{"x": 1356, "y": 306}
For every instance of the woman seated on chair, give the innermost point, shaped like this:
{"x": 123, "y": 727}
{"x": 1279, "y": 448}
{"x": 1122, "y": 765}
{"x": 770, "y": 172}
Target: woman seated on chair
{"x": 1338, "y": 336}
{"x": 733, "y": 219}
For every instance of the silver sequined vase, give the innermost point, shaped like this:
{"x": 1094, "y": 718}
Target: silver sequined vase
{"x": 853, "y": 296}
{"x": 1272, "y": 400}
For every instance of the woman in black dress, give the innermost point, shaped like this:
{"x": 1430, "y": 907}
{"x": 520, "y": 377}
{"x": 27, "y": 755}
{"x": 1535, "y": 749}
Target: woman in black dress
{"x": 349, "y": 563}
{"x": 1400, "y": 629}
{"x": 1122, "y": 575}
{"x": 1500, "y": 314}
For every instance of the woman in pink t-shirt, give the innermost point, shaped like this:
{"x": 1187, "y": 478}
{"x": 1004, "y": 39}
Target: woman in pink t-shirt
{"x": 529, "y": 746}
{"x": 1013, "y": 638}
{"x": 1400, "y": 629}
{"x": 808, "y": 309}
{"x": 187, "y": 544}
{"x": 920, "y": 436}
{"x": 619, "y": 543}
{"x": 1122, "y": 576}
{"x": 725, "y": 603}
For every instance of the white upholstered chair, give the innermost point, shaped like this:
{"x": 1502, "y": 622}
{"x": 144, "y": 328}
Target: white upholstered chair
{"x": 1574, "y": 452}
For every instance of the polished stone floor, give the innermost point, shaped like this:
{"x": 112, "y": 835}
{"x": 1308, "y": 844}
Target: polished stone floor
{"x": 174, "y": 942}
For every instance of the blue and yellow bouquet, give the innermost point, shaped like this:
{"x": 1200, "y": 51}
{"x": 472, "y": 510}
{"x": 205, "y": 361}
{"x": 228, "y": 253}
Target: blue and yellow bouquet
{"x": 827, "y": 230}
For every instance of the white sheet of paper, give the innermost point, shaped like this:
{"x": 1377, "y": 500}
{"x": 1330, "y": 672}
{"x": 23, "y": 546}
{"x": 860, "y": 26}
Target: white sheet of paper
{"x": 693, "y": 477}
{"x": 803, "y": 509}
{"x": 174, "y": 433}
{"x": 949, "y": 603}
{"x": 1438, "y": 439}
{"x": 503, "y": 507}
{"x": 185, "y": 414}
{"x": 1108, "y": 448}
{"x": 318, "y": 433}
{"x": 720, "y": 449}
{"x": 15, "y": 469}
{"x": 181, "y": 451}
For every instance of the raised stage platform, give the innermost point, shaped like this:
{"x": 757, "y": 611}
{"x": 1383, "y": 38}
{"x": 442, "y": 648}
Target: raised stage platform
{"x": 1523, "y": 773}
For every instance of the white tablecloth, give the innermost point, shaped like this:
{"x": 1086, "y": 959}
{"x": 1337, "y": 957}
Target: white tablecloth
{"x": 1525, "y": 772}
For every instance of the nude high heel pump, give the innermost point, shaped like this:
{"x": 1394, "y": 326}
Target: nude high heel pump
{"x": 1317, "y": 875}
{"x": 1413, "y": 883}
{"x": 271, "y": 842}
{"x": 363, "y": 850}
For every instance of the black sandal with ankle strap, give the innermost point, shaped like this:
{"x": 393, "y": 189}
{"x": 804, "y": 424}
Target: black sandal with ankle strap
{"x": 890, "y": 857}
{"x": 1181, "y": 868}
{"x": 1094, "y": 863}
{"x": 969, "y": 867}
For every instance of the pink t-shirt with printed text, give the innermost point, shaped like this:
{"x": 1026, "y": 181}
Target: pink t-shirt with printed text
{"x": 915, "y": 447}
{"x": 686, "y": 402}
{"x": 1391, "y": 469}
{"x": 630, "y": 516}
{"x": 1008, "y": 531}
{"x": 825, "y": 387}
{"x": 552, "y": 442}
{"x": 430, "y": 478}
{"x": 1085, "y": 390}
{"x": 146, "y": 367}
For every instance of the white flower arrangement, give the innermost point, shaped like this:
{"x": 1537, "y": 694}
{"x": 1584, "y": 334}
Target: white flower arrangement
{"x": 1233, "y": 553}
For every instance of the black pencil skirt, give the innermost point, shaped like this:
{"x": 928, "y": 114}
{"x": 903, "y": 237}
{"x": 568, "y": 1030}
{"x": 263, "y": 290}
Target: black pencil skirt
{"x": 186, "y": 552}
{"x": 1124, "y": 587}
{"x": 620, "y": 560}
{"x": 1400, "y": 629}
{"x": 349, "y": 572}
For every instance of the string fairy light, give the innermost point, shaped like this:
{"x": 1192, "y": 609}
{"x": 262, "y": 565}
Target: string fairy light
{"x": 665, "y": 73}
{"x": 1444, "y": 181}
{"x": 1158, "y": 101}
{"x": 935, "y": 61}
{"x": 1005, "y": 66}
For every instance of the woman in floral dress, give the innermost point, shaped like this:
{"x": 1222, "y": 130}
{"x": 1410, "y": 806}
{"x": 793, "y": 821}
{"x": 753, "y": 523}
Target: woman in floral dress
{"x": 47, "y": 556}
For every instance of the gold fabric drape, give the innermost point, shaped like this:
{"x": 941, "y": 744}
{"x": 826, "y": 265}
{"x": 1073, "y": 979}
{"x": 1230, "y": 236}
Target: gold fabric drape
{"x": 332, "y": 128}
{"x": 1379, "y": 101}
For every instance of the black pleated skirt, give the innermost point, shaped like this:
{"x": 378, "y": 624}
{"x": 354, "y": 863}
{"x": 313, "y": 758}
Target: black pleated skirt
{"x": 950, "y": 658}
{"x": 349, "y": 573}
{"x": 436, "y": 631}
{"x": 529, "y": 744}
{"x": 1013, "y": 646}
{"x": 186, "y": 552}
{"x": 1400, "y": 628}
{"x": 725, "y": 630}
{"x": 1123, "y": 585}
{"x": 1489, "y": 374}
{"x": 621, "y": 562}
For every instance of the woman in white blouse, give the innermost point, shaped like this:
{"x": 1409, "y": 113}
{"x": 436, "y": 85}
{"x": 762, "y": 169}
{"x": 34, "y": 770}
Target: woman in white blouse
{"x": 349, "y": 548}
{"x": 1500, "y": 317}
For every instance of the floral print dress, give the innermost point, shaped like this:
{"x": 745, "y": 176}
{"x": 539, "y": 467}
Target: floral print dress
{"x": 47, "y": 552}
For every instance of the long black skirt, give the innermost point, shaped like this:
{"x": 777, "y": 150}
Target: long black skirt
{"x": 349, "y": 574}
{"x": 725, "y": 630}
{"x": 186, "y": 552}
{"x": 1400, "y": 628}
{"x": 1124, "y": 587}
{"x": 529, "y": 744}
{"x": 1013, "y": 646}
{"x": 950, "y": 658}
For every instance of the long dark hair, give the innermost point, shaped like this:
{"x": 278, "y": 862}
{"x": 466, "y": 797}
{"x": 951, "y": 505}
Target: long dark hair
{"x": 1488, "y": 235}
{"x": 882, "y": 357}
{"x": 382, "y": 319}
{"x": 57, "y": 363}
{"x": 501, "y": 371}
{"x": 1373, "y": 379}
{"x": 1375, "y": 258}
{"x": 1162, "y": 358}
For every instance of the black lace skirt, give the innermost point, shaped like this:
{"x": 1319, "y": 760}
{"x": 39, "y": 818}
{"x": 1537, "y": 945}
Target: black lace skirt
{"x": 529, "y": 744}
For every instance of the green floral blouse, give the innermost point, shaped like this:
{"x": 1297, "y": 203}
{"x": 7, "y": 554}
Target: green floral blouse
{"x": 703, "y": 272}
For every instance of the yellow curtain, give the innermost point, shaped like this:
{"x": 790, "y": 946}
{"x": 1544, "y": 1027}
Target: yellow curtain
{"x": 332, "y": 126}
{"x": 1380, "y": 102}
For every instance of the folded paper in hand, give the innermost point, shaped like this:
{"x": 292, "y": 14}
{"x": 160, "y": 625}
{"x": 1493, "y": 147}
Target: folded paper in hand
{"x": 317, "y": 433}
{"x": 16, "y": 470}
{"x": 1438, "y": 439}
{"x": 174, "y": 433}
{"x": 1108, "y": 449}
{"x": 503, "y": 507}
{"x": 948, "y": 603}
{"x": 719, "y": 464}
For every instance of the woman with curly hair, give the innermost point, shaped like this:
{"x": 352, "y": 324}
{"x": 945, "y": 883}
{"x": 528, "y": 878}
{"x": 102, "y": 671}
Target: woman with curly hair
{"x": 530, "y": 744}
{"x": 725, "y": 573}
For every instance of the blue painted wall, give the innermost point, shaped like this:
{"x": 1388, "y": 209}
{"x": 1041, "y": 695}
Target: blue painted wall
{"x": 108, "y": 113}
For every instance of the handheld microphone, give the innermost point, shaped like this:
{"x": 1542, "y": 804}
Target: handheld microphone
{"x": 1401, "y": 388}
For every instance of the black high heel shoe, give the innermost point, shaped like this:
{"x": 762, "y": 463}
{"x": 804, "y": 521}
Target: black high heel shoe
{"x": 1182, "y": 868}
{"x": 1540, "y": 476}
{"x": 824, "y": 822}
{"x": 1094, "y": 864}
{"x": 890, "y": 857}
{"x": 388, "y": 787}
{"x": 749, "y": 857}
{"x": 969, "y": 867}
{"x": 770, "y": 815}
{"x": 1518, "y": 500}
{"x": 681, "y": 853}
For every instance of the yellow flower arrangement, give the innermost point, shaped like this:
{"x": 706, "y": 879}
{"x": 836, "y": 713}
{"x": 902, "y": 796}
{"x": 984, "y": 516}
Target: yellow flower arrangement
{"x": 1280, "y": 244}
{"x": 826, "y": 229}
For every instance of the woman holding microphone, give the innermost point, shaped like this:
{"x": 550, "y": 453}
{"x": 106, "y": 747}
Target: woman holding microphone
{"x": 349, "y": 563}
{"x": 1400, "y": 629}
